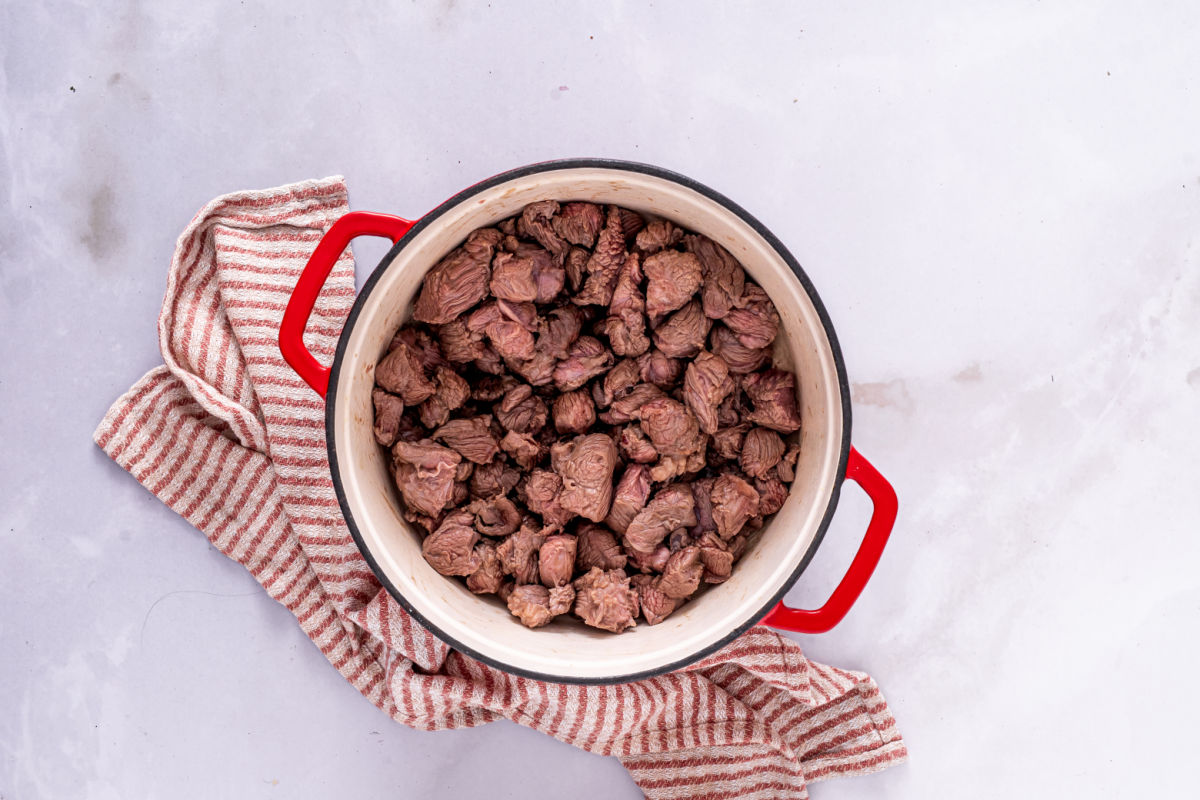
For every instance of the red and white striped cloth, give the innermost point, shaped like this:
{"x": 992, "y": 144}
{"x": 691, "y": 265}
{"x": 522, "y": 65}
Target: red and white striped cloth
{"x": 229, "y": 437}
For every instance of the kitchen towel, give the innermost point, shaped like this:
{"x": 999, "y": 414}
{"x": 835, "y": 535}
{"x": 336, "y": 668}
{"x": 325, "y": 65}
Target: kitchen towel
{"x": 228, "y": 436}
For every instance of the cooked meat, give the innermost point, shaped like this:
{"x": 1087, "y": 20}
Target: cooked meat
{"x": 597, "y": 547}
{"x": 522, "y": 448}
{"x": 574, "y": 412}
{"x": 604, "y": 264}
{"x": 576, "y": 267}
{"x": 556, "y": 559}
{"x": 586, "y": 359}
{"x": 578, "y": 223}
{"x": 658, "y": 235}
{"x": 521, "y": 410}
{"x": 428, "y": 524}
{"x": 702, "y": 493}
{"x": 410, "y": 429}
{"x": 559, "y": 331}
{"x": 617, "y": 382}
{"x": 531, "y": 604}
{"x": 471, "y": 438}
{"x": 488, "y": 576}
{"x": 705, "y": 384}
{"x": 422, "y": 345}
{"x": 493, "y": 478}
{"x": 656, "y": 368}
{"x": 510, "y": 340}
{"x": 681, "y": 576}
{"x": 585, "y": 464}
{"x": 451, "y": 548}
{"x": 761, "y": 451}
{"x": 771, "y": 495}
{"x": 672, "y": 429}
{"x": 655, "y": 605}
{"x": 401, "y": 374}
{"x": 755, "y": 324}
{"x": 630, "y": 496}
{"x": 671, "y": 280}
{"x": 739, "y": 358}
{"x": 727, "y": 442}
{"x": 625, "y": 326}
{"x": 519, "y": 554}
{"x": 459, "y": 344}
{"x": 537, "y": 219}
{"x": 773, "y": 394}
{"x": 459, "y": 281}
{"x": 669, "y": 468}
{"x": 537, "y": 371}
{"x": 683, "y": 333}
{"x": 646, "y": 560}
{"x": 495, "y": 515}
{"x": 512, "y": 278}
{"x": 733, "y": 503}
{"x": 604, "y": 599}
{"x": 459, "y": 494}
{"x": 388, "y": 411}
{"x": 524, "y": 314}
{"x": 634, "y": 446}
{"x": 786, "y": 468}
{"x": 561, "y": 599}
{"x": 671, "y": 507}
{"x": 679, "y": 539}
{"x": 425, "y": 475}
{"x": 626, "y": 409}
{"x": 451, "y": 392}
{"x": 716, "y": 557}
{"x": 724, "y": 278}
{"x": 541, "y": 495}
{"x": 631, "y": 222}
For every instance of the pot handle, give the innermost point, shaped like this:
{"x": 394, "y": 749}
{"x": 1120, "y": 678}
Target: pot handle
{"x": 820, "y": 620}
{"x": 308, "y": 288}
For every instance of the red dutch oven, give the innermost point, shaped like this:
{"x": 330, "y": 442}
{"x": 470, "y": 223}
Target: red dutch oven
{"x": 566, "y": 650}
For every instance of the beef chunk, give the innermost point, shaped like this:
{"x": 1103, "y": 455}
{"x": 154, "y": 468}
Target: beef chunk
{"x": 401, "y": 374}
{"x": 634, "y": 446}
{"x": 422, "y": 345}
{"x": 681, "y": 576}
{"x": 724, "y": 278}
{"x": 511, "y": 340}
{"x": 512, "y": 278}
{"x": 576, "y": 267}
{"x": 537, "y": 371}
{"x": 493, "y": 478}
{"x": 683, "y": 334}
{"x": 671, "y": 507}
{"x": 521, "y": 410}
{"x": 773, "y": 394}
{"x": 617, "y": 382}
{"x": 630, "y": 496}
{"x": 561, "y": 598}
{"x": 727, "y": 442}
{"x": 702, "y": 493}
{"x": 522, "y": 448}
{"x": 671, "y": 280}
{"x": 658, "y": 235}
{"x": 716, "y": 557}
{"x": 771, "y": 494}
{"x": 625, "y": 326}
{"x": 604, "y": 264}
{"x": 653, "y": 560}
{"x": 786, "y": 468}
{"x": 672, "y": 429}
{"x": 705, "y": 384}
{"x": 556, "y": 559}
{"x": 627, "y": 408}
{"x": 755, "y": 323}
{"x": 427, "y": 524}
{"x": 388, "y": 411}
{"x": 574, "y": 412}
{"x": 761, "y": 451}
{"x": 604, "y": 599}
{"x": 585, "y": 464}
{"x": 631, "y": 222}
{"x": 519, "y": 554}
{"x": 451, "y": 392}
{"x": 488, "y": 576}
{"x": 655, "y": 605}
{"x": 524, "y": 314}
{"x": 495, "y": 515}
{"x": 471, "y": 438}
{"x": 459, "y": 281}
{"x": 655, "y": 367}
{"x": 586, "y": 359}
{"x": 541, "y": 495}
{"x": 451, "y": 548}
{"x": 531, "y": 604}
{"x": 734, "y": 502}
{"x": 578, "y": 223}
{"x": 676, "y": 466}
{"x": 597, "y": 547}
{"x": 424, "y": 475}
{"x": 459, "y": 344}
{"x": 537, "y": 219}
{"x": 560, "y": 330}
{"x": 739, "y": 358}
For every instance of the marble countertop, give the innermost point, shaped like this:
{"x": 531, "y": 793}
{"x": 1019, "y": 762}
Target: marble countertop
{"x": 999, "y": 205}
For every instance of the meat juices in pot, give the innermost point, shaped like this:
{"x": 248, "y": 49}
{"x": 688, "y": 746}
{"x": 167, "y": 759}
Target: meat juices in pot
{"x": 582, "y": 416}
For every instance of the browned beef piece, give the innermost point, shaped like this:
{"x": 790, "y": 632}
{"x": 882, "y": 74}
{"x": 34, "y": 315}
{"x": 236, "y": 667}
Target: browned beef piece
{"x": 727, "y": 442}
{"x": 586, "y": 359}
{"x": 655, "y": 605}
{"x": 604, "y": 599}
{"x": 459, "y": 281}
{"x": 472, "y": 438}
{"x": 658, "y": 235}
{"x": 627, "y": 408}
{"x": 489, "y": 388}
{"x": 672, "y": 429}
{"x": 631, "y": 222}
{"x": 681, "y": 576}
{"x": 683, "y": 333}
{"x": 786, "y": 468}
{"x": 537, "y": 371}
{"x": 451, "y": 392}
{"x": 451, "y": 548}
{"x": 400, "y": 373}
{"x": 647, "y": 561}
{"x": 604, "y": 264}
{"x": 556, "y": 559}
{"x": 459, "y": 344}
{"x": 716, "y": 557}
{"x": 669, "y": 468}
{"x": 625, "y": 325}
{"x": 671, "y": 280}
{"x": 541, "y": 495}
{"x": 616, "y": 383}
{"x": 597, "y": 547}
{"x": 634, "y": 446}
{"x": 460, "y": 494}
{"x": 512, "y": 278}
{"x": 761, "y": 451}
{"x": 734, "y": 502}
{"x": 537, "y": 219}
{"x": 585, "y": 464}
{"x": 559, "y": 331}
{"x": 422, "y": 345}
{"x": 574, "y": 412}
{"x": 630, "y": 496}
{"x": 493, "y": 478}
{"x": 531, "y": 604}
{"x": 576, "y": 267}
{"x": 522, "y": 448}
{"x": 771, "y": 494}
{"x": 724, "y": 278}
{"x": 519, "y": 554}
{"x": 561, "y": 599}
{"x": 511, "y": 340}
{"x": 671, "y": 507}
{"x": 524, "y": 314}
{"x": 424, "y": 474}
{"x": 521, "y": 410}
{"x": 756, "y": 323}
{"x": 489, "y": 575}
{"x": 773, "y": 394}
{"x": 389, "y": 409}
{"x": 578, "y": 223}
{"x": 739, "y": 358}
{"x": 495, "y": 515}
{"x": 705, "y": 384}
{"x": 702, "y": 493}
{"x": 655, "y": 367}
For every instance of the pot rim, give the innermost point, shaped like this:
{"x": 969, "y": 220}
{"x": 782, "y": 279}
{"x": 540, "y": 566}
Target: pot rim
{"x": 620, "y": 166}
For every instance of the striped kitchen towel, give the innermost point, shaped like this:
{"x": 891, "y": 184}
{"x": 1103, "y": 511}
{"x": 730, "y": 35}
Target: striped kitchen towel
{"x": 229, "y": 437}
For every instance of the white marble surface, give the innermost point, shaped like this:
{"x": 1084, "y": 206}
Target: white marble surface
{"x": 1000, "y": 206}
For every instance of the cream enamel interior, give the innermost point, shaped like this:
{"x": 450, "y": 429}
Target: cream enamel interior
{"x": 566, "y": 648}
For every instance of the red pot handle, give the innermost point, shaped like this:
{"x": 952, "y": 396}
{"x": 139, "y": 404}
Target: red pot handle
{"x": 308, "y": 288}
{"x": 859, "y": 470}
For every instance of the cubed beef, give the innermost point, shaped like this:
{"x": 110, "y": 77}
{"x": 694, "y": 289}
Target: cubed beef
{"x": 657, "y": 368}
{"x": 521, "y": 410}
{"x": 771, "y": 494}
{"x": 761, "y": 451}
{"x": 538, "y": 223}
{"x": 604, "y": 599}
{"x": 578, "y": 223}
{"x": 734, "y": 502}
{"x": 658, "y": 235}
{"x": 459, "y": 281}
{"x": 471, "y": 438}
{"x": 489, "y": 575}
{"x": 671, "y": 507}
{"x": 671, "y": 280}
{"x": 705, "y": 384}
{"x": 451, "y": 548}
{"x": 586, "y": 359}
{"x": 541, "y": 495}
{"x": 630, "y": 496}
{"x": 495, "y": 515}
{"x": 683, "y": 333}
{"x": 424, "y": 475}
{"x": 671, "y": 428}
{"x": 451, "y": 392}
{"x": 531, "y": 604}
{"x": 556, "y": 559}
{"x": 574, "y": 412}
{"x": 389, "y": 409}
{"x": 585, "y": 464}
{"x": 519, "y": 554}
{"x": 773, "y": 395}
{"x": 634, "y": 446}
{"x": 401, "y": 374}
{"x": 655, "y": 605}
{"x": 682, "y": 573}
{"x": 604, "y": 264}
{"x": 724, "y": 278}
{"x": 739, "y": 358}
{"x": 522, "y": 448}
{"x": 597, "y": 547}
